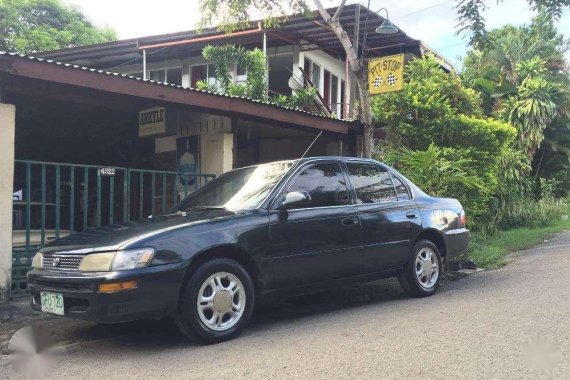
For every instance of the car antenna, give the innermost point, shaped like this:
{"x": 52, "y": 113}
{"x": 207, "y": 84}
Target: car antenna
{"x": 314, "y": 141}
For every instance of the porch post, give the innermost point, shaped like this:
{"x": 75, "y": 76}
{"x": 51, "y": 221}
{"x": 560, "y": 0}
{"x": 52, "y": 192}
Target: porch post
{"x": 7, "y": 131}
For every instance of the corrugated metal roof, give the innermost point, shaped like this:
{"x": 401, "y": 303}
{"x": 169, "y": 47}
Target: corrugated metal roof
{"x": 151, "y": 82}
{"x": 309, "y": 33}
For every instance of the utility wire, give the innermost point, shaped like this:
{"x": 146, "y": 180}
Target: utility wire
{"x": 136, "y": 59}
{"x": 423, "y": 9}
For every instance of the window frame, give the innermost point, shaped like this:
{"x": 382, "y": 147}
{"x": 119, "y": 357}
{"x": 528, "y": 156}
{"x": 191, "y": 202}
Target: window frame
{"x": 283, "y": 188}
{"x": 382, "y": 167}
{"x": 234, "y": 73}
{"x": 165, "y": 70}
{"x": 408, "y": 189}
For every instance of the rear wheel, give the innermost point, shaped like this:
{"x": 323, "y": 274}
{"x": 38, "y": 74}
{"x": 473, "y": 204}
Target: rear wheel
{"x": 422, "y": 274}
{"x": 217, "y": 302}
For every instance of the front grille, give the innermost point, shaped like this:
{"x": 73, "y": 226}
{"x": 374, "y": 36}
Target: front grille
{"x": 61, "y": 261}
{"x": 54, "y": 285}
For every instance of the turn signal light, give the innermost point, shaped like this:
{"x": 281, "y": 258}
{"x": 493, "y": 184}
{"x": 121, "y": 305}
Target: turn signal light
{"x": 117, "y": 286}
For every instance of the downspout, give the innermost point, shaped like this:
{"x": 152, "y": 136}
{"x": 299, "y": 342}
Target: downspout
{"x": 144, "y": 64}
{"x": 266, "y": 65}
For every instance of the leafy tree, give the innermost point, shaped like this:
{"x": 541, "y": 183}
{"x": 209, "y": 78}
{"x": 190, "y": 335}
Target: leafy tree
{"x": 438, "y": 135}
{"x": 438, "y": 170}
{"x": 522, "y": 76}
{"x": 531, "y": 111}
{"x": 471, "y": 20}
{"x": 224, "y": 58}
{"x": 28, "y": 26}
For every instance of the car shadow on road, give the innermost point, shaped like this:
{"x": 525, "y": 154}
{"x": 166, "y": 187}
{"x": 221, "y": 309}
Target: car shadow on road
{"x": 147, "y": 335}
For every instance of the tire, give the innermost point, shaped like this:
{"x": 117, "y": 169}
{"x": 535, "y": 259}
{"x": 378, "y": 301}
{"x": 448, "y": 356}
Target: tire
{"x": 414, "y": 278}
{"x": 214, "y": 281}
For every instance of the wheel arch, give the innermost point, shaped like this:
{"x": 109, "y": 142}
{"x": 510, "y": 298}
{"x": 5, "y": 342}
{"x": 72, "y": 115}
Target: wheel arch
{"x": 435, "y": 237}
{"x": 229, "y": 251}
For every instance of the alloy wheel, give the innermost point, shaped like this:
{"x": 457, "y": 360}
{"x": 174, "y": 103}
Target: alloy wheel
{"x": 427, "y": 268}
{"x": 221, "y": 301}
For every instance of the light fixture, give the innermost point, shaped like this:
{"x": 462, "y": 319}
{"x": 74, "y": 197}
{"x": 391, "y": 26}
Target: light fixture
{"x": 386, "y": 27}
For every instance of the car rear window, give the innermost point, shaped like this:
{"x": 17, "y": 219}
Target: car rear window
{"x": 372, "y": 183}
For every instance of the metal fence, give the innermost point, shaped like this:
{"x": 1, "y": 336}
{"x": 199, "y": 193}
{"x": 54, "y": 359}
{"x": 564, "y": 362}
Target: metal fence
{"x": 52, "y": 200}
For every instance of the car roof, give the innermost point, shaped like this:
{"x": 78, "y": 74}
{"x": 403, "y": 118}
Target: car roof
{"x": 339, "y": 158}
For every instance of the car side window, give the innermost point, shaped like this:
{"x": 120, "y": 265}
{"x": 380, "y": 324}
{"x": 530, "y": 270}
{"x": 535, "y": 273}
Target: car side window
{"x": 325, "y": 183}
{"x": 372, "y": 183}
{"x": 401, "y": 190}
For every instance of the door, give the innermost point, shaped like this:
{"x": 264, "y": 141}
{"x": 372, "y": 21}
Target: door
{"x": 313, "y": 243}
{"x": 390, "y": 218}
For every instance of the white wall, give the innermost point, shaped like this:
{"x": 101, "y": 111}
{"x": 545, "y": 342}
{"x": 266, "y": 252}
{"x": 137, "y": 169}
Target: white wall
{"x": 216, "y": 140}
{"x": 326, "y": 62}
{"x": 335, "y": 66}
{"x": 7, "y": 132}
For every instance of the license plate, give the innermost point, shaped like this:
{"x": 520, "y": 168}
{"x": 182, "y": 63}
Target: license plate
{"x": 52, "y": 303}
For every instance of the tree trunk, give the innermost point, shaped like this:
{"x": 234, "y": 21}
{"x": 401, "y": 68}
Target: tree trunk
{"x": 358, "y": 69}
{"x": 365, "y": 113}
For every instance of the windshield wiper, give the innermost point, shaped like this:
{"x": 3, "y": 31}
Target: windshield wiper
{"x": 202, "y": 208}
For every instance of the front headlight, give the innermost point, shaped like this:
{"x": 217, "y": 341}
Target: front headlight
{"x": 37, "y": 261}
{"x": 120, "y": 260}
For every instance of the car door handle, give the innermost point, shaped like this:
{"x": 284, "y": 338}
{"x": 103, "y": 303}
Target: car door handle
{"x": 349, "y": 222}
{"x": 412, "y": 214}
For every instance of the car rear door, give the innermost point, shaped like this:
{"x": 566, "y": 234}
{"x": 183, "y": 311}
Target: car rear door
{"x": 313, "y": 243}
{"x": 389, "y": 217}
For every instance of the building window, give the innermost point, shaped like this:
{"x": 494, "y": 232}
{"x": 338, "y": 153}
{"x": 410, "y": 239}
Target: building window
{"x": 335, "y": 96}
{"x": 332, "y": 87}
{"x": 327, "y": 89}
{"x": 198, "y": 73}
{"x": 316, "y": 75}
{"x": 313, "y": 72}
{"x": 171, "y": 75}
{"x": 207, "y": 73}
{"x": 342, "y": 114}
{"x": 240, "y": 74}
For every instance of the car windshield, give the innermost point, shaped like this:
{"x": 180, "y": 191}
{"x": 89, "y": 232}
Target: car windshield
{"x": 240, "y": 189}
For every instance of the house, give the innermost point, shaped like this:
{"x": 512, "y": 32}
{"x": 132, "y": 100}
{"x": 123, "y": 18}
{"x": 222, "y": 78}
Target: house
{"x": 116, "y": 131}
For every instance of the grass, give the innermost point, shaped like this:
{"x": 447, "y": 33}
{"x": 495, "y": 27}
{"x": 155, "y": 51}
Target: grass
{"x": 489, "y": 252}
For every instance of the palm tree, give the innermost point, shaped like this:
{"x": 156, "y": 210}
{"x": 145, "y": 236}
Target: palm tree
{"x": 532, "y": 110}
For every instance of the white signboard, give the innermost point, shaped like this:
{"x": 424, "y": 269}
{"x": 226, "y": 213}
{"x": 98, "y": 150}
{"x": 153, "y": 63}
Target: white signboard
{"x": 152, "y": 122}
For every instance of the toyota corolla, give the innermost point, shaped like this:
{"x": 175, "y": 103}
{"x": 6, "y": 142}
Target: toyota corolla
{"x": 286, "y": 227}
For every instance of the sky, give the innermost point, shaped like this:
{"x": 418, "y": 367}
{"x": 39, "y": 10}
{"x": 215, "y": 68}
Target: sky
{"x": 432, "y": 21}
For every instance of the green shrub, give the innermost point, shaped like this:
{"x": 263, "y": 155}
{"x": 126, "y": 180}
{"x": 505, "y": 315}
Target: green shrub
{"x": 530, "y": 213}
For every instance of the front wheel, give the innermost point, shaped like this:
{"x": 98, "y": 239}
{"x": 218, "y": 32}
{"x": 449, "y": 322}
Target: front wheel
{"x": 217, "y": 302}
{"x": 422, "y": 274}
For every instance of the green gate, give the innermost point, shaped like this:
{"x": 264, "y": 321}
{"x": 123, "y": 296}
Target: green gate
{"x": 52, "y": 200}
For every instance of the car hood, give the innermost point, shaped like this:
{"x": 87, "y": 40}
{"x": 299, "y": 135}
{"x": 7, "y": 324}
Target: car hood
{"x": 116, "y": 235}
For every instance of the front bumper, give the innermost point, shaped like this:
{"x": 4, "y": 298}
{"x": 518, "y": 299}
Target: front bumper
{"x": 456, "y": 242}
{"x": 156, "y": 295}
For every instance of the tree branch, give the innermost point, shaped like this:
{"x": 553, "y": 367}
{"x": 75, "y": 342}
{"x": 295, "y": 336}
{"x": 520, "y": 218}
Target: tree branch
{"x": 339, "y": 10}
{"x": 341, "y": 34}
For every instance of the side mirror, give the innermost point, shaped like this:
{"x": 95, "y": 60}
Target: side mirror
{"x": 294, "y": 199}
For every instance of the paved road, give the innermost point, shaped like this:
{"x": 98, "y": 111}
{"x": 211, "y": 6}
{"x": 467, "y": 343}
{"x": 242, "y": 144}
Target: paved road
{"x": 509, "y": 323}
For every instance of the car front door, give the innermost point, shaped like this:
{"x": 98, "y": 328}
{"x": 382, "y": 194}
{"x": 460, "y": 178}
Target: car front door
{"x": 390, "y": 218}
{"x": 313, "y": 243}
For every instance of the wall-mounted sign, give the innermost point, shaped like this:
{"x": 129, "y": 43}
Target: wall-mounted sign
{"x": 107, "y": 172}
{"x": 152, "y": 122}
{"x": 386, "y": 74}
